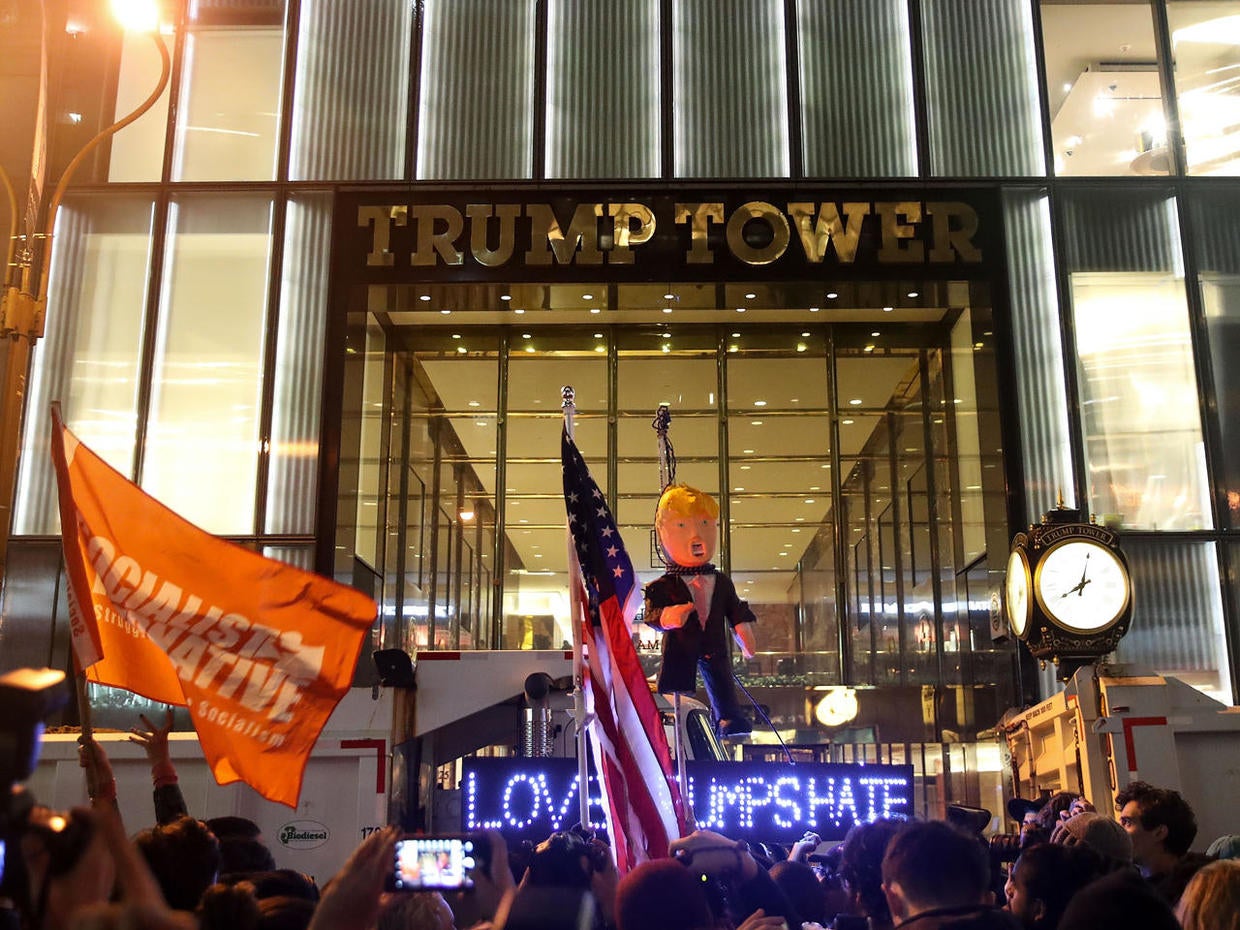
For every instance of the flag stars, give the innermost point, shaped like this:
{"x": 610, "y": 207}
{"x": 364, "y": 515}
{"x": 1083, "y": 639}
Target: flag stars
{"x": 606, "y": 532}
{"x": 612, "y": 551}
{"x": 618, "y": 571}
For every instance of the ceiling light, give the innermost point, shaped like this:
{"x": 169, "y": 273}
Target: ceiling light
{"x": 731, "y": 348}
{"x": 667, "y": 348}
{"x": 813, "y": 309}
{"x": 474, "y": 403}
{"x": 759, "y": 403}
{"x": 869, "y": 348}
{"x": 600, "y": 348}
{"x": 810, "y": 500}
{"x": 875, "y": 333}
{"x": 505, "y": 297}
{"x": 518, "y": 311}
{"x": 525, "y": 335}
{"x": 462, "y": 350}
{"x": 667, "y": 309}
{"x": 804, "y": 335}
{"x": 801, "y": 347}
{"x": 755, "y": 422}
{"x": 913, "y": 294}
{"x": 746, "y": 467}
{"x": 456, "y": 335}
{"x": 736, "y": 335}
{"x": 845, "y": 422}
{"x": 831, "y": 295}
{"x": 747, "y": 451}
{"x": 595, "y": 310}
{"x": 738, "y": 489}
{"x": 598, "y": 335}
{"x": 445, "y": 312}
{"x": 855, "y": 402}
{"x": 669, "y": 296}
{"x": 587, "y": 296}
{"x": 466, "y": 515}
{"x": 750, "y": 296}
{"x": 425, "y": 297}
{"x": 888, "y": 309}
{"x": 740, "y": 309}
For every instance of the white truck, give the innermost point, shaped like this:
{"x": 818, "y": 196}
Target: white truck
{"x": 1113, "y": 725}
{"x": 386, "y": 755}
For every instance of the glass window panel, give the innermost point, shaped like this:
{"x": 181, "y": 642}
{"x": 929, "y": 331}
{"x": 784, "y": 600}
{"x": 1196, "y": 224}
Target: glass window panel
{"x": 534, "y": 379}
{"x": 1215, "y": 238}
{"x": 730, "y": 89}
{"x": 1103, "y": 89}
{"x": 756, "y": 436}
{"x": 89, "y": 356}
{"x": 292, "y": 477}
{"x": 981, "y": 89}
{"x": 856, "y": 88}
{"x": 206, "y": 385}
{"x": 681, "y": 383}
{"x": 781, "y": 476}
{"x": 1142, "y": 428}
{"x": 602, "y": 107}
{"x": 1205, "y": 42}
{"x": 136, "y": 153}
{"x": 1177, "y": 621}
{"x": 879, "y": 380}
{"x": 351, "y": 103}
{"x": 476, "y": 89}
{"x": 761, "y": 385}
{"x": 1038, "y": 350}
{"x": 229, "y": 115}
{"x": 692, "y": 437}
{"x": 809, "y": 508}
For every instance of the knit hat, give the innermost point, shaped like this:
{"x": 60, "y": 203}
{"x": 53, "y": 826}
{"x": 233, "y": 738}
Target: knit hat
{"x": 1097, "y": 832}
{"x": 1225, "y": 847}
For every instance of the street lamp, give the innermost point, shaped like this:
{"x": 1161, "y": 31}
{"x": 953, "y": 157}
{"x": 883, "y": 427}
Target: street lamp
{"x": 23, "y": 304}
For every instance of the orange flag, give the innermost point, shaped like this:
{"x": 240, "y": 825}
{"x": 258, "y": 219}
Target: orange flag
{"x": 259, "y": 651}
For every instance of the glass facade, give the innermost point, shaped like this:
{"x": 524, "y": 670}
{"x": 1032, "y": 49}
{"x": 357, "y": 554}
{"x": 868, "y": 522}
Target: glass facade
{"x": 872, "y": 463}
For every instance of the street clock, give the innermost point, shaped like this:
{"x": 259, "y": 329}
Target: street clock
{"x": 1067, "y": 592}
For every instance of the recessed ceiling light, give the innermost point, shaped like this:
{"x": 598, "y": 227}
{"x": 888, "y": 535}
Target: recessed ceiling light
{"x": 750, "y": 296}
{"x": 755, "y": 422}
{"x": 667, "y": 309}
{"x": 595, "y": 310}
{"x": 801, "y": 347}
{"x": 738, "y": 489}
{"x": 740, "y": 309}
{"x": 456, "y": 335}
{"x": 746, "y": 467}
{"x": 529, "y": 348}
{"x": 747, "y": 451}
{"x": 875, "y": 333}
{"x": 667, "y": 335}
{"x": 800, "y": 519}
{"x": 845, "y": 422}
{"x": 831, "y": 295}
{"x": 913, "y": 294}
{"x": 888, "y": 309}
{"x": 525, "y": 335}
{"x": 759, "y": 403}
{"x": 736, "y": 335}
{"x": 474, "y": 403}
{"x": 669, "y": 296}
{"x": 598, "y": 335}
{"x": 425, "y": 297}
{"x": 813, "y": 309}
{"x": 505, "y": 297}
{"x": 587, "y": 296}
{"x": 600, "y": 348}
{"x": 445, "y": 312}
{"x": 810, "y": 500}
{"x": 518, "y": 311}
{"x": 855, "y": 402}
{"x": 462, "y": 350}
{"x": 804, "y": 335}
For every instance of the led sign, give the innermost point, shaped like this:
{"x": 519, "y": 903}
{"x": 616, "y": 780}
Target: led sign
{"x": 756, "y": 801}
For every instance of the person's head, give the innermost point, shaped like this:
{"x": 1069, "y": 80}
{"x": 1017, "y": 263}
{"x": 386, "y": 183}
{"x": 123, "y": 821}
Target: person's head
{"x": 931, "y": 865}
{"x": 228, "y": 907}
{"x": 800, "y": 886}
{"x": 418, "y": 911}
{"x": 1212, "y": 899}
{"x": 240, "y": 854}
{"x": 184, "y": 857}
{"x": 1081, "y": 805}
{"x": 1226, "y": 846}
{"x": 284, "y": 913}
{"x": 224, "y": 827}
{"x": 1122, "y": 900}
{"x": 662, "y": 895}
{"x": 1055, "y": 808}
{"x": 1100, "y": 834}
{"x": 687, "y": 524}
{"x": 564, "y": 860}
{"x": 861, "y": 867}
{"x": 1158, "y": 820}
{"x": 282, "y": 883}
{"x": 1043, "y": 881}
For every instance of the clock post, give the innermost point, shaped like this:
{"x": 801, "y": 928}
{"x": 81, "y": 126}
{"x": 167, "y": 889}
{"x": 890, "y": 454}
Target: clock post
{"x": 1068, "y": 593}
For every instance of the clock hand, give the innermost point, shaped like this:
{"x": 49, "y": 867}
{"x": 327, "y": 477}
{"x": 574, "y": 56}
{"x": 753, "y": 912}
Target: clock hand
{"x": 1081, "y": 592}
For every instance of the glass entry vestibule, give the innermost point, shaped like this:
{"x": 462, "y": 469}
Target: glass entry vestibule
{"x": 851, "y": 436}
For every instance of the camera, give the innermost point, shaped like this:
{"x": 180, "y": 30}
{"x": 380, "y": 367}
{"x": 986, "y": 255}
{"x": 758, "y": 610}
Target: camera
{"x": 438, "y": 863}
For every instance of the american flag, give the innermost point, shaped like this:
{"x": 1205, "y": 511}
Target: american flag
{"x": 641, "y": 798}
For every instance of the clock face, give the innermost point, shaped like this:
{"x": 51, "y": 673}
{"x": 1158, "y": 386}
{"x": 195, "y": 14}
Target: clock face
{"x": 1082, "y": 585}
{"x": 1016, "y": 592}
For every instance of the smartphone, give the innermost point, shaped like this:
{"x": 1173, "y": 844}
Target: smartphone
{"x": 438, "y": 863}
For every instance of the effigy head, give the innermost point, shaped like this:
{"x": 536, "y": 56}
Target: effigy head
{"x": 687, "y": 524}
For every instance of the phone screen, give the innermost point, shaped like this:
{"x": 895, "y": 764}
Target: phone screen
{"x": 434, "y": 863}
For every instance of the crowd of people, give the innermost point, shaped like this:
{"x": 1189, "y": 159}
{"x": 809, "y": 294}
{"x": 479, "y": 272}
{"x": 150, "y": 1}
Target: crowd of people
{"x": 1070, "y": 867}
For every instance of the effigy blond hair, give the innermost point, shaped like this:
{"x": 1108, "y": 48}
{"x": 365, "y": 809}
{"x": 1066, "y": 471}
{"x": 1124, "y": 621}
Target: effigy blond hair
{"x": 682, "y": 500}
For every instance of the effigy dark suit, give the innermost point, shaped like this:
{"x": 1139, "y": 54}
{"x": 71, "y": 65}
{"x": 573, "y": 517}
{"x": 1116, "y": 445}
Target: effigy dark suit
{"x": 697, "y": 646}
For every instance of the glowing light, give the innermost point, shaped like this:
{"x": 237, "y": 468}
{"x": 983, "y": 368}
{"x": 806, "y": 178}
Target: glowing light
{"x": 136, "y": 15}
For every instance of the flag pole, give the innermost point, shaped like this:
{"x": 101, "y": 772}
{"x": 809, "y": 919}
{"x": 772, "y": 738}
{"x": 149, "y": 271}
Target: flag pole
{"x": 667, "y": 475}
{"x": 579, "y": 614}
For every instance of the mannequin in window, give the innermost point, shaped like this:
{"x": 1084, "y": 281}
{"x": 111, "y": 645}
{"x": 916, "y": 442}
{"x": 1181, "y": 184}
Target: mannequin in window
{"x": 695, "y": 606}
